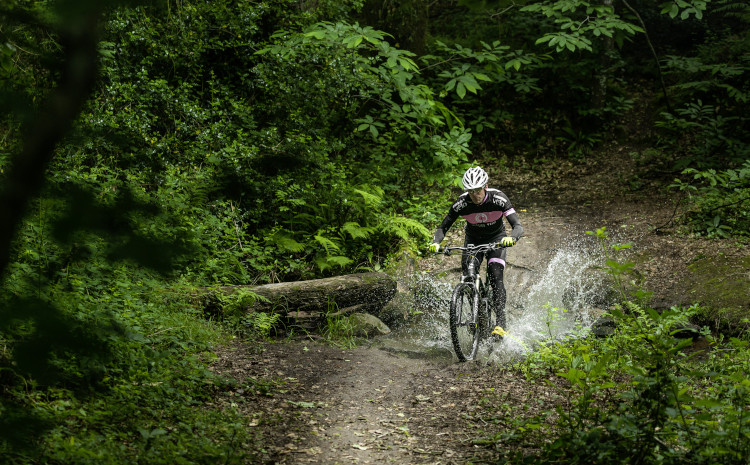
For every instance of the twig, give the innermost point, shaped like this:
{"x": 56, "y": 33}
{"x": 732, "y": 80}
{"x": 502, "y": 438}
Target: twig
{"x": 512, "y": 5}
{"x": 674, "y": 213}
{"x": 452, "y": 58}
{"x": 653, "y": 51}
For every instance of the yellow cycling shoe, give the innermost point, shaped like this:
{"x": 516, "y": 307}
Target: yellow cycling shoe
{"x": 498, "y": 331}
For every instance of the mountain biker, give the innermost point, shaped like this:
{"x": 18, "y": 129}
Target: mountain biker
{"x": 483, "y": 209}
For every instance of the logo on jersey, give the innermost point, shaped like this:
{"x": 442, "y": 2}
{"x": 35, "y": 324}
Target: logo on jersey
{"x": 459, "y": 205}
{"x": 499, "y": 200}
{"x": 480, "y": 218}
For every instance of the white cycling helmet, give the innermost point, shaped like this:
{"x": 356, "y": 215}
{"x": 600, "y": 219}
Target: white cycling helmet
{"x": 475, "y": 178}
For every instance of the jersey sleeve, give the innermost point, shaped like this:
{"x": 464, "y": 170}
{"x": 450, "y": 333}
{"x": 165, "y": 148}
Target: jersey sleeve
{"x": 448, "y": 221}
{"x": 515, "y": 222}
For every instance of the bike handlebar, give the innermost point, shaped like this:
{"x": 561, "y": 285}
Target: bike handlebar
{"x": 473, "y": 249}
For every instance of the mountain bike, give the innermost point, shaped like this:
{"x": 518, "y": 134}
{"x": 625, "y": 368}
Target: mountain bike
{"x": 471, "y": 305}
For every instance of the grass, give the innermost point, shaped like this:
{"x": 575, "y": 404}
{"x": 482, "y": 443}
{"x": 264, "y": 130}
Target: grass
{"x": 152, "y": 405}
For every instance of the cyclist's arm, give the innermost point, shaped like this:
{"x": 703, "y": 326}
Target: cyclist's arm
{"x": 442, "y": 230}
{"x": 515, "y": 222}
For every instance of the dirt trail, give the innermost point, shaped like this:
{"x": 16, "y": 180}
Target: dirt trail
{"x": 333, "y": 406}
{"x": 366, "y": 405}
{"x": 313, "y": 403}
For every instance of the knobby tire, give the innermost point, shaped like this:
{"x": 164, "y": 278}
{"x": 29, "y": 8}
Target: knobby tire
{"x": 465, "y": 333}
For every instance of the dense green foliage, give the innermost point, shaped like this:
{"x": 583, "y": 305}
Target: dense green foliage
{"x": 227, "y": 142}
{"x": 642, "y": 395}
{"x": 717, "y": 201}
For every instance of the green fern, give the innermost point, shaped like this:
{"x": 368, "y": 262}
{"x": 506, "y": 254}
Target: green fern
{"x": 201, "y": 188}
{"x": 342, "y": 230}
{"x": 236, "y": 303}
{"x": 356, "y": 231}
{"x": 339, "y": 260}
{"x": 285, "y": 240}
{"x": 260, "y": 323}
{"x": 735, "y": 93}
{"x": 372, "y": 195}
{"x": 734, "y": 8}
{"x": 325, "y": 262}
{"x": 329, "y": 245}
{"x": 321, "y": 261}
{"x": 405, "y": 228}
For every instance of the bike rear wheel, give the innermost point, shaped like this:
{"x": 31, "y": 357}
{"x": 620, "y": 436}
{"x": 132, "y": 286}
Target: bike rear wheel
{"x": 465, "y": 333}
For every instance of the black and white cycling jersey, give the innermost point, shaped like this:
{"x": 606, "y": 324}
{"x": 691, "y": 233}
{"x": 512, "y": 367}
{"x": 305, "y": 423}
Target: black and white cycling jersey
{"x": 484, "y": 221}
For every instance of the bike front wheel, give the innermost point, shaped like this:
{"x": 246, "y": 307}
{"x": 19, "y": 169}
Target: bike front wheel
{"x": 465, "y": 332}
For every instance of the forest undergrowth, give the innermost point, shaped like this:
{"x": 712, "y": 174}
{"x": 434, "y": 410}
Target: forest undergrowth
{"x": 150, "y": 149}
{"x": 641, "y": 393}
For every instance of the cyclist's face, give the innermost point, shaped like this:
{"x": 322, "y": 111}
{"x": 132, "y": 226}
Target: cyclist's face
{"x": 477, "y": 195}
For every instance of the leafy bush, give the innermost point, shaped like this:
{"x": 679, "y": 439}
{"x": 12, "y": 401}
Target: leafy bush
{"x": 712, "y": 140}
{"x": 709, "y": 127}
{"x": 640, "y": 394}
{"x": 718, "y": 202}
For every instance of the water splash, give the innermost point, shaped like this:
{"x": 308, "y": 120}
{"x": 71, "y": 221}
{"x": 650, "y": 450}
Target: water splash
{"x": 427, "y": 327}
{"x": 562, "y": 301}
{"x": 559, "y": 300}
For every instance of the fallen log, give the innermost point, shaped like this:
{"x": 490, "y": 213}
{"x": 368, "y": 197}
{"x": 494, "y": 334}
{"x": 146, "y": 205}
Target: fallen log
{"x": 367, "y": 292}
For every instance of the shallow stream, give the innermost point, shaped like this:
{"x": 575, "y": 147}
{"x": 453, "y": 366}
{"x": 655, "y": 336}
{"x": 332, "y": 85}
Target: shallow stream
{"x": 556, "y": 299}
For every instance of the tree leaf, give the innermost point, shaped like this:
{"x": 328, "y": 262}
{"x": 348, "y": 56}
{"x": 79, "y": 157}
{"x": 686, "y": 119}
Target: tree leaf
{"x": 461, "y": 90}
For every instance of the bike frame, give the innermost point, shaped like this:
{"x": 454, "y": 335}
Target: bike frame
{"x": 474, "y": 265}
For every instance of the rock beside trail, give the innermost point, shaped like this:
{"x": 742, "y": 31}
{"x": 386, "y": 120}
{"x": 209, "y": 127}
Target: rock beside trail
{"x": 397, "y": 310}
{"x": 367, "y": 325}
{"x": 603, "y": 326}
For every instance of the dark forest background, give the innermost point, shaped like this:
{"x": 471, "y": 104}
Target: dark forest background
{"x": 151, "y": 148}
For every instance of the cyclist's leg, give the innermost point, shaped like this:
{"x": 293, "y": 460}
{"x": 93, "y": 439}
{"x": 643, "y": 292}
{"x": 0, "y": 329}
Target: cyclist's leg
{"x": 495, "y": 271}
